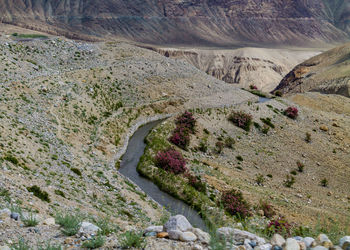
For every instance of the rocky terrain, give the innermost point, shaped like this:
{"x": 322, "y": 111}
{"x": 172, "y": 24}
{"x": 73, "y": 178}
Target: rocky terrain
{"x": 214, "y": 22}
{"x": 68, "y": 108}
{"x": 243, "y": 67}
{"x": 327, "y": 73}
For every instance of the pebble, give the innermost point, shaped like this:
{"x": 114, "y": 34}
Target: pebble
{"x": 162, "y": 235}
{"x": 263, "y": 247}
{"x": 175, "y": 234}
{"x": 49, "y": 221}
{"x": 202, "y": 236}
{"x": 197, "y": 247}
{"x": 156, "y": 229}
{"x": 324, "y": 241}
{"x": 308, "y": 241}
{"x": 15, "y": 216}
{"x": 344, "y": 240}
{"x": 276, "y": 248}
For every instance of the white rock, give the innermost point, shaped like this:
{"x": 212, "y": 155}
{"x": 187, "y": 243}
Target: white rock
{"x": 175, "y": 234}
{"x": 278, "y": 240}
{"x": 203, "y": 237}
{"x": 323, "y": 240}
{"x": 188, "y": 236}
{"x": 197, "y": 247}
{"x": 225, "y": 232}
{"x": 178, "y": 222}
{"x": 88, "y": 228}
{"x": 341, "y": 241}
{"x": 319, "y": 248}
{"x": 263, "y": 247}
{"x": 157, "y": 229}
{"x": 308, "y": 241}
{"x": 5, "y": 247}
{"x": 49, "y": 221}
{"x": 291, "y": 244}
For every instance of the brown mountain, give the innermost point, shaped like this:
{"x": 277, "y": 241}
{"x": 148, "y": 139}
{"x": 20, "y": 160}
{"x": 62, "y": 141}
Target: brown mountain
{"x": 212, "y": 22}
{"x": 328, "y": 72}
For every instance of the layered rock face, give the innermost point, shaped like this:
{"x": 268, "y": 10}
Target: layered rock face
{"x": 325, "y": 73}
{"x": 261, "y": 67}
{"x": 219, "y": 22}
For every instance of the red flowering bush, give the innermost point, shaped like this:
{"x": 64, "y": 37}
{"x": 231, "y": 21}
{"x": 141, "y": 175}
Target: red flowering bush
{"x": 186, "y": 120}
{"x": 235, "y": 204}
{"x": 280, "y": 226}
{"x": 180, "y": 137}
{"x": 291, "y": 112}
{"x": 253, "y": 87}
{"x": 171, "y": 160}
{"x": 241, "y": 119}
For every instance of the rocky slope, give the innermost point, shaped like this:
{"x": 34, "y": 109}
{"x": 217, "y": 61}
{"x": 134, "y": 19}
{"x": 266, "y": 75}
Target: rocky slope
{"x": 186, "y": 22}
{"x": 262, "y": 67}
{"x": 328, "y": 72}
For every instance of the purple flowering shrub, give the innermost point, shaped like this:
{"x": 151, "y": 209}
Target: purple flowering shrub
{"x": 180, "y": 137}
{"x": 291, "y": 112}
{"x": 196, "y": 182}
{"x": 185, "y": 124}
{"x": 268, "y": 210}
{"x": 186, "y": 120}
{"x": 171, "y": 160}
{"x": 280, "y": 226}
{"x": 253, "y": 87}
{"x": 235, "y": 204}
{"x": 241, "y": 119}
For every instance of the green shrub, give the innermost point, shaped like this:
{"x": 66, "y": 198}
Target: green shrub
{"x": 11, "y": 159}
{"x": 239, "y": 158}
{"x": 268, "y": 122}
{"x": 95, "y": 242}
{"x": 76, "y": 171}
{"x": 21, "y": 245}
{"x": 229, "y": 142}
{"x": 308, "y": 137}
{"x": 42, "y": 195}
{"x": 132, "y": 239}
{"x": 300, "y": 166}
{"x": 203, "y": 146}
{"x": 290, "y": 180}
{"x": 260, "y": 179}
{"x": 70, "y": 223}
{"x": 324, "y": 182}
{"x": 106, "y": 227}
{"x": 60, "y": 193}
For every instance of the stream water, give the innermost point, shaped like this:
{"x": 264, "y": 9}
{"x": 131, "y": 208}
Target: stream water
{"x": 128, "y": 166}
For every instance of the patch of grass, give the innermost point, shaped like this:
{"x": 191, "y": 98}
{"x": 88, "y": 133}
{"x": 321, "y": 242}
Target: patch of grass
{"x": 106, "y": 227}
{"x": 11, "y": 158}
{"x": 29, "y": 36}
{"x": 48, "y": 246}
{"x": 268, "y": 122}
{"x": 30, "y": 220}
{"x": 21, "y": 245}
{"x": 95, "y": 242}
{"x": 60, "y": 193}
{"x": 70, "y": 223}
{"x": 324, "y": 182}
{"x": 42, "y": 195}
{"x": 239, "y": 158}
{"x": 132, "y": 239}
{"x": 289, "y": 182}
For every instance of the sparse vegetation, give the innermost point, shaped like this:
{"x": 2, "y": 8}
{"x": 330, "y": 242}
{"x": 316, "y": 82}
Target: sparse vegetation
{"x": 324, "y": 182}
{"x": 132, "y": 239}
{"x": 96, "y": 242}
{"x": 70, "y": 223}
{"x": 260, "y": 179}
{"x": 42, "y": 195}
{"x": 289, "y": 182}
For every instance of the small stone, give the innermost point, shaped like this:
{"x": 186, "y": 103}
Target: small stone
{"x": 346, "y": 246}
{"x": 319, "y": 248}
{"x": 324, "y": 241}
{"x": 302, "y": 245}
{"x": 197, "y": 247}
{"x": 202, "y": 236}
{"x": 150, "y": 234}
{"x": 342, "y": 241}
{"x": 263, "y": 247}
{"x": 49, "y": 221}
{"x": 5, "y": 213}
{"x": 88, "y": 228}
{"x": 162, "y": 235}
{"x": 276, "y": 248}
{"x": 188, "y": 236}
{"x": 156, "y": 229}
{"x": 174, "y": 234}
{"x": 253, "y": 243}
{"x": 15, "y": 216}
{"x": 336, "y": 248}
{"x": 178, "y": 222}
{"x": 308, "y": 241}
{"x": 68, "y": 241}
{"x": 324, "y": 128}
{"x": 277, "y": 240}
{"x": 291, "y": 244}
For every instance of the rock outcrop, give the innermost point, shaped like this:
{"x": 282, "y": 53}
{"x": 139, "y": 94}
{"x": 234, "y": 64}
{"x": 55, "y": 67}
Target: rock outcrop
{"x": 326, "y": 73}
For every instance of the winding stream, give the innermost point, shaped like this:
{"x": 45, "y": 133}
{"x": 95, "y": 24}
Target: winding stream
{"x": 134, "y": 151}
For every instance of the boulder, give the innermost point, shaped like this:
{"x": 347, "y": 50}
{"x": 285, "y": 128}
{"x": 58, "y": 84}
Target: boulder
{"x": 156, "y": 229}
{"x": 342, "y": 241}
{"x": 239, "y": 235}
{"x": 197, "y": 247}
{"x": 277, "y": 240}
{"x": 174, "y": 234}
{"x": 308, "y": 241}
{"x": 178, "y": 222}
{"x": 291, "y": 244}
{"x": 188, "y": 236}
{"x": 88, "y": 228}
{"x": 5, "y": 247}
{"x": 202, "y": 236}
{"x": 323, "y": 240}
